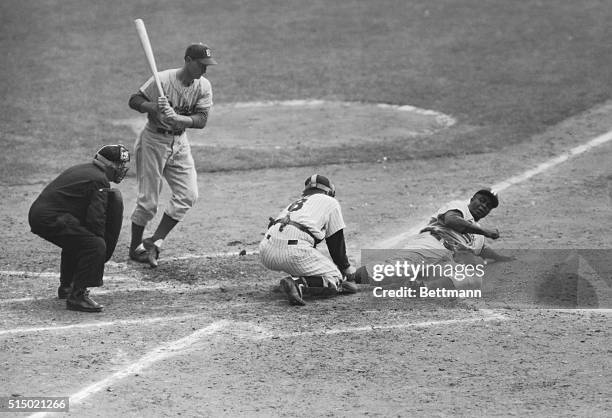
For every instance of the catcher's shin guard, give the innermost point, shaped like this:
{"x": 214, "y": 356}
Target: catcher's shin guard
{"x": 319, "y": 286}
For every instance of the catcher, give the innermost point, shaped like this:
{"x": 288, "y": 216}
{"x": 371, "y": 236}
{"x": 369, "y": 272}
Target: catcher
{"x": 81, "y": 214}
{"x": 289, "y": 245}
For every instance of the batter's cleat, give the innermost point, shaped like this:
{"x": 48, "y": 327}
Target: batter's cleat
{"x": 79, "y": 300}
{"x": 140, "y": 256}
{"x": 63, "y": 291}
{"x": 347, "y": 288}
{"x": 293, "y": 291}
{"x": 152, "y": 251}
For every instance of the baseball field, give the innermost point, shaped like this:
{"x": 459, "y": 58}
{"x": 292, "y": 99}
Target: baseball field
{"x": 405, "y": 105}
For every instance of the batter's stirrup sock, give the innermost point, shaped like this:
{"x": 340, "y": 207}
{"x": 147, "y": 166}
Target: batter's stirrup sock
{"x": 137, "y": 231}
{"x": 165, "y": 226}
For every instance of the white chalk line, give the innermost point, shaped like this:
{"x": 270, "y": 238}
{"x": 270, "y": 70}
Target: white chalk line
{"x": 203, "y": 255}
{"x": 577, "y": 150}
{"x": 126, "y": 265}
{"x": 182, "y": 345}
{"x": 102, "y": 324}
{"x": 526, "y": 175}
{"x": 115, "y": 279}
{"x": 163, "y": 352}
{"x": 489, "y": 316}
{"x": 161, "y": 289}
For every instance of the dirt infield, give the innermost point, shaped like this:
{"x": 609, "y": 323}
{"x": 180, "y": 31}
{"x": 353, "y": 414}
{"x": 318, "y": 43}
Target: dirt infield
{"x": 514, "y": 91}
{"x": 212, "y": 336}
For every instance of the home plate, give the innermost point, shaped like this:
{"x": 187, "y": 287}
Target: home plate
{"x": 309, "y": 123}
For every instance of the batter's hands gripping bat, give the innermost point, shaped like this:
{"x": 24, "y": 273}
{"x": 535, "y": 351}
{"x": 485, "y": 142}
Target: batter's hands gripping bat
{"x": 146, "y": 45}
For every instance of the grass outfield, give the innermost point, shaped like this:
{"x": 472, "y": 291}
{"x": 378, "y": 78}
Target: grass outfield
{"x": 505, "y": 70}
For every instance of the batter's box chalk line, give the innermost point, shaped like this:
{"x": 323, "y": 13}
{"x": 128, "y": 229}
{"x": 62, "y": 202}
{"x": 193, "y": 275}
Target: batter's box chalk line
{"x": 247, "y": 330}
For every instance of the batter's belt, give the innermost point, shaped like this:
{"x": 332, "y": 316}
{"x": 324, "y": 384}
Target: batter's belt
{"x": 170, "y": 132}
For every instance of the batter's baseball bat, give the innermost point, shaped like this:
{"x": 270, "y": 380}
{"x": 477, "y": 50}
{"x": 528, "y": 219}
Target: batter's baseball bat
{"x": 146, "y": 45}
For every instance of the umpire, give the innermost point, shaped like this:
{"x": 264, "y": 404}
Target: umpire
{"x": 81, "y": 214}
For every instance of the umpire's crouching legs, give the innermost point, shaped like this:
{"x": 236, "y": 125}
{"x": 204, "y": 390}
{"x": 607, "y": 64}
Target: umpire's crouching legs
{"x": 89, "y": 253}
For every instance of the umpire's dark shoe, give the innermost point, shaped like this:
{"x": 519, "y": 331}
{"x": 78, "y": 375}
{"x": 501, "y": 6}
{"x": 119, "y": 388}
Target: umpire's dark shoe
{"x": 152, "y": 251}
{"x": 79, "y": 300}
{"x": 64, "y": 291}
{"x": 292, "y": 290}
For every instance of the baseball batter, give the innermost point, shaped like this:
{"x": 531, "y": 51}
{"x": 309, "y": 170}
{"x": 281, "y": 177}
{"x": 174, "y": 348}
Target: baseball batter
{"x": 162, "y": 149}
{"x": 289, "y": 244}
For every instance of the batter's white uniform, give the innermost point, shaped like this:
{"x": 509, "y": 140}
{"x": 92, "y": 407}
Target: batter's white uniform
{"x": 162, "y": 152}
{"x": 293, "y": 250}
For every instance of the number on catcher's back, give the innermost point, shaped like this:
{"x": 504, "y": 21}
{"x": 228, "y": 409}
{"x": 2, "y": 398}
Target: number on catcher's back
{"x": 297, "y": 205}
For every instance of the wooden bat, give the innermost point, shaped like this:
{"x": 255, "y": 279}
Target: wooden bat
{"x": 146, "y": 45}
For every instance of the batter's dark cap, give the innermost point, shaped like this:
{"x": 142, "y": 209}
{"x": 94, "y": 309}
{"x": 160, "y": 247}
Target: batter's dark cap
{"x": 488, "y": 192}
{"x": 200, "y": 52}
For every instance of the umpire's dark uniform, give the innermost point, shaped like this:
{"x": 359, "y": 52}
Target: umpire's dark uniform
{"x": 81, "y": 214}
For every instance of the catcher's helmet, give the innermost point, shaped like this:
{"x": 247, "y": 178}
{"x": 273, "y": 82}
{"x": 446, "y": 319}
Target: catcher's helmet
{"x": 114, "y": 158}
{"x": 317, "y": 181}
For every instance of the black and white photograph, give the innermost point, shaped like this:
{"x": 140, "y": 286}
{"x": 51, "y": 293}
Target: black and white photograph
{"x": 306, "y": 208}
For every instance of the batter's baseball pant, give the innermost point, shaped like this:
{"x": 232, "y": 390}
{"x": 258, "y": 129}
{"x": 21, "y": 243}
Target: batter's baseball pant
{"x": 161, "y": 156}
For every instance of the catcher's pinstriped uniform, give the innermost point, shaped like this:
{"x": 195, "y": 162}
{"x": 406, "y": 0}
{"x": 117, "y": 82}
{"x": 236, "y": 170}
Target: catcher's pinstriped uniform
{"x": 289, "y": 244}
{"x": 293, "y": 250}
{"x": 162, "y": 149}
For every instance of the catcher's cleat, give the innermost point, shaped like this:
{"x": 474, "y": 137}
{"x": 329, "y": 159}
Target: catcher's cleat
{"x": 152, "y": 251}
{"x": 347, "y": 288}
{"x": 63, "y": 291}
{"x": 293, "y": 291}
{"x": 139, "y": 256}
{"x": 79, "y": 300}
